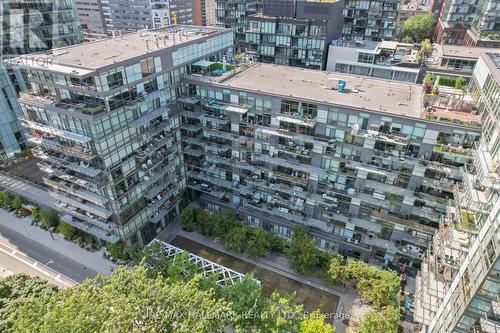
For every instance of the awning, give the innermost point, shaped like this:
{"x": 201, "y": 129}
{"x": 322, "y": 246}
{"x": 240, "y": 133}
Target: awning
{"x": 204, "y": 63}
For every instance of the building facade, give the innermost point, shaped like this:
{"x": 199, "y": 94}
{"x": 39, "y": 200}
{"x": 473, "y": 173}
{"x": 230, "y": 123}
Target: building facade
{"x": 233, "y": 14}
{"x": 354, "y": 160}
{"x": 458, "y": 287}
{"x": 204, "y": 12}
{"x": 401, "y": 62}
{"x": 127, "y": 16}
{"x": 373, "y": 20}
{"x": 91, "y": 16}
{"x": 472, "y": 23}
{"x": 385, "y": 60}
{"x": 58, "y": 26}
{"x": 105, "y": 126}
{"x": 297, "y": 36}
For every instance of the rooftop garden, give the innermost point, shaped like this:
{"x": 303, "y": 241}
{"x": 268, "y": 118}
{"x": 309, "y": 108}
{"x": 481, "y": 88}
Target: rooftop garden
{"x": 468, "y": 221}
{"x": 442, "y": 149}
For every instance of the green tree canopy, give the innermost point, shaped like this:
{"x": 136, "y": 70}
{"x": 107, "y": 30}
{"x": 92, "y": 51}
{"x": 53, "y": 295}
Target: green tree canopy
{"x": 418, "y": 27}
{"x": 303, "y": 252}
{"x": 315, "y": 323}
{"x": 128, "y": 301}
{"x": 385, "y": 321}
{"x": 17, "y": 290}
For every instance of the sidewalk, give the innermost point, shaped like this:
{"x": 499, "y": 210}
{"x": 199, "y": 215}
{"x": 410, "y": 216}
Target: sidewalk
{"x": 26, "y": 189}
{"x": 92, "y": 260}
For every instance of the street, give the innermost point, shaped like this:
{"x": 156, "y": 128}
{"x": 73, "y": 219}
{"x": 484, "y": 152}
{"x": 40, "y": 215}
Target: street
{"x": 43, "y": 254}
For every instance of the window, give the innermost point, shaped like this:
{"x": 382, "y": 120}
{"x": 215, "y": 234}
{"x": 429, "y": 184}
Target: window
{"x": 115, "y": 80}
{"x": 147, "y": 67}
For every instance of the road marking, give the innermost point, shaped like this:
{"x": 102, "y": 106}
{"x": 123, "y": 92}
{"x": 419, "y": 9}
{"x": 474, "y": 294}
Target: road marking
{"x": 34, "y": 264}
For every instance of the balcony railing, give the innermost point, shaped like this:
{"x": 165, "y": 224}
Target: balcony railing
{"x": 80, "y": 138}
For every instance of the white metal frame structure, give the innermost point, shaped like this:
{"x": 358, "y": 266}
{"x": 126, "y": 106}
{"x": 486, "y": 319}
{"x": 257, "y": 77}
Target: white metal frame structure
{"x": 206, "y": 267}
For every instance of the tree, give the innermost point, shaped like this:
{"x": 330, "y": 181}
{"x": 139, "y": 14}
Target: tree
{"x": 418, "y": 27}
{"x": 315, "y": 323}
{"x": 15, "y": 291}
{"x": 280, "y": 315}
{"x": 377, "y": 286}
{"x": 5, "y": 199}
{"x": 302, "y": 252}
{"x": 258, "y": 243}
{"x": 337, "y": 271}
{"x": 128, "y": 301}
{"x": 425, "y": 49}
{"x": 17, "y": 203}
{"x": 428, "y": 80}
{"x": 223, "y": 222}
{"x": 386, "y": 321}
{"x": 67, "y": 230}
{"x": 246, "y": 300}
{"x": 50, "y": 219}
{"x": 188, "y": 219}
{"x": 117, "y": 251}
{"x": 235, "y": 239}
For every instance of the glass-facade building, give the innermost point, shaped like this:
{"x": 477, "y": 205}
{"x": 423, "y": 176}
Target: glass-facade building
{"x": 56, "y": 26}
{"x": 354, "y": 162}
{"x": 234, "y": 14}
{"x": 458, "y": 287}
{"x": 104, "y": 123}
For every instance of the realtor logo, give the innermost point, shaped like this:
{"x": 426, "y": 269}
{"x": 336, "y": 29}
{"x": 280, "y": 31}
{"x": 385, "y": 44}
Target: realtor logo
{"x": 27, "y": 26}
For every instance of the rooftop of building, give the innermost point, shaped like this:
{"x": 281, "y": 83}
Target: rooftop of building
{"x": 88, "y": 57}
{"x": 391, "y": 97}
{"x": 417, "y": 6}
{"x": 457, "y": 51}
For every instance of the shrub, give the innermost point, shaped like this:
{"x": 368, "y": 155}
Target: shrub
{"x": 67, "y": 230}
{"x": 118, "y": 251}
{"x": 17, "y": 202}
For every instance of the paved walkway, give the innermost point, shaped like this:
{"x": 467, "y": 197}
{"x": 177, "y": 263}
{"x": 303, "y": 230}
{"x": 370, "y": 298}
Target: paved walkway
{"x": 349, "y": 302}
{"x": 26, "y": 189}
{"x": 69, "y": 258}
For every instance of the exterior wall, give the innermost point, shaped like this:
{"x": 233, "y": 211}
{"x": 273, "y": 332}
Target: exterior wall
{"x": 233, "y": 14}
{"x": 300, "y": 40}
{"x": 350, "y": 192}
{"x": 345, "y": 60}
{"x": 370, "y": 20}
{"x": 91, "y": 16}
{"x": 461, "y": 294}
{"x": 204, "y": 12}
{"x": 128, "y": 15}
{"x": 114, "y": 163}
{"x": 60, "y": 20}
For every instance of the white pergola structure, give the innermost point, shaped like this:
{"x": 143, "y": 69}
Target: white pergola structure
{"x": 207, "y": 268}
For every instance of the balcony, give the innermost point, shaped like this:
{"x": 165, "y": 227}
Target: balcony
{"x": 146, "y": 117}
{"x": 72, "y": 189}
{"x": 154, "y": 145}
{"x": 97, "y": 232}
{"x": 66, "y": 163}
{"x": 153, "y": 130}
{"x": 51, "y": 143}
{"x": 85, "y": 216}
{"x": 64, "y": 198}
{"x": 156, "y": 190}
{"x": 51, "y": 103}
{"x": 82, "y": 181}
{"x": 452, "y": 151}
{"x": 79, "y": 138}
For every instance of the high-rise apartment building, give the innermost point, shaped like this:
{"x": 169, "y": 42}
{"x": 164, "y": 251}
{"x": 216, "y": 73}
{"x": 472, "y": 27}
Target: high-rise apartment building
{"x": 370, "y": 19}
{"x": 91, "y": 16}
{"x": 103, "y": 119}
{"x": 233, "y": 14}
{"x": 472, "y": 23}
{"x": 204, "y": 12}
{"x": 458, "y": 287}
{"x": 361, "y": 163}
{"x": 126, "y": 16}
{"x": 294, "y": 33}
{"x": 57, "y": 25}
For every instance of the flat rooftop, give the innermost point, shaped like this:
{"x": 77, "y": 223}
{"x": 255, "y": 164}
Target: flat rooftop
{"x": 457, "y": 51}
{"x": 403, "y": 99}
{"x": 91, "y": 56}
